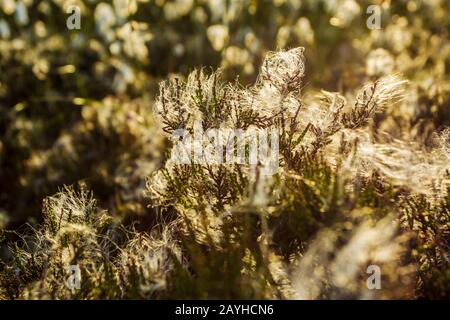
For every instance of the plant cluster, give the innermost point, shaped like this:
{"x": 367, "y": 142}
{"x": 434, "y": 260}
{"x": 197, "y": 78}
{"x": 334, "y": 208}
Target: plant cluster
{"x": 338, "y": 204}
{"x": 363, "y": 165}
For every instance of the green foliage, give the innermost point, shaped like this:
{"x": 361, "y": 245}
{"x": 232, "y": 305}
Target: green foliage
{"x": 363, "y": 166}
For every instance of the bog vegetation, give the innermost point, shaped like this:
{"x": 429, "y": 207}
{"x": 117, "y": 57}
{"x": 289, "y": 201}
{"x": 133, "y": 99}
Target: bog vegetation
{"x": 86, "y": 134}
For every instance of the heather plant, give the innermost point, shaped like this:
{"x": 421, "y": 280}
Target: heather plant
{"x": 48, "y": 72}
{"x": 115, "y": 262}
{"x": 228, "y": 231}
{"x": 333, "y": 175}
{"x": 362, "y": 167}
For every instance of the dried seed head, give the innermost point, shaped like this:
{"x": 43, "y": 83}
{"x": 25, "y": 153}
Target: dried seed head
{"x": 284, "y": 70}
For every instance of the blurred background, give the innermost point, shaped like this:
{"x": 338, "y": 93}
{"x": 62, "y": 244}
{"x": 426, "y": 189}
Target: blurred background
{"x": 76, "y": 105}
